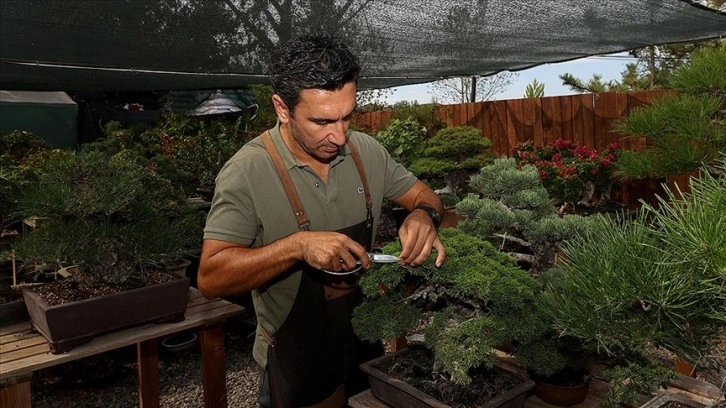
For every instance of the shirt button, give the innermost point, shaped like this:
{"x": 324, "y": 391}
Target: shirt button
{"x": 317, "y": 184}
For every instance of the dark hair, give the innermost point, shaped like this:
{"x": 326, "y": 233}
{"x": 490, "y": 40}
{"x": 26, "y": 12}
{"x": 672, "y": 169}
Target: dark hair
{"x": 312, "y": 61}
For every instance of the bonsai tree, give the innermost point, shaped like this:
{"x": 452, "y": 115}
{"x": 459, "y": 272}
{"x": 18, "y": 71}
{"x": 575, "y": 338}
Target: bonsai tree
{"x": 465, "y": 308}
{"x": 452, "y": 154}
{"x": 685, "y": 130}
{"x": 114, "y": 219}
{"x": 656, "y": 281}
{"x": 512, "y": 208}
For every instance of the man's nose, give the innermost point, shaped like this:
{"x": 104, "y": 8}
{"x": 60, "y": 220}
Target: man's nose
{"x": 337, "y": 133}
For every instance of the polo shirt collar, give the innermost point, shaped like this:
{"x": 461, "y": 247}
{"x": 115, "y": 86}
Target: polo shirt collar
{"x": 289, "y": 160}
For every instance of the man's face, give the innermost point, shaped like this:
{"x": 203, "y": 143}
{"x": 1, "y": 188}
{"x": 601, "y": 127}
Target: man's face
{"x": 320, "y": 121}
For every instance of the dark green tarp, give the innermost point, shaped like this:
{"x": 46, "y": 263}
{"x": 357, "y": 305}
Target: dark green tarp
{"x": 50, "y": 115}
{"x": 74, "y": 45}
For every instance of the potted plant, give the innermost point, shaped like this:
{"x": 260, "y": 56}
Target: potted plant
{"x": 452, "y": 155}
{"x": 462, "y": 310}
{"x": 574, "y": 175}
{"x": 511, "y": 208}
{"x": 654, "y": 282}
{"x": 116, "y": 221}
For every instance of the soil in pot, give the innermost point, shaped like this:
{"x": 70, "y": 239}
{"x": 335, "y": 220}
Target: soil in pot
{"x": 564, "y": 388}
{"x": 67, "y": 290}
{"x": 416, "y": 369}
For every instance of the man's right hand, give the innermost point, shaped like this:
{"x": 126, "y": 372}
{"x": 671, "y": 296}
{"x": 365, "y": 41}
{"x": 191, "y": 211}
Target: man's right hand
{"x": 332, "y": 251}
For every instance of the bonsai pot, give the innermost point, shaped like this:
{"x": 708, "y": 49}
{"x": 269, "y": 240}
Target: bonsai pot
{"x": 13, "y": 312}
{"x": 179, "y": 341}
{"x": 564, "y": 391}
{"x": 398, "y": 394}
{"x": 672, "y": 401}
{"x": 71, "y": 324}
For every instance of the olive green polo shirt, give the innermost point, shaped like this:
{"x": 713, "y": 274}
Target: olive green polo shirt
{"x": 250, "y": 207}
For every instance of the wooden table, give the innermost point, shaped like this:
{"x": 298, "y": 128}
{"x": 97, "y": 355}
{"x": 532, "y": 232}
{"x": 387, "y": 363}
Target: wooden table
{"x": 23, "y": 351}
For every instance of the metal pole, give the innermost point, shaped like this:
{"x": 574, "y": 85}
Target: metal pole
{"x": 473, "y": 89}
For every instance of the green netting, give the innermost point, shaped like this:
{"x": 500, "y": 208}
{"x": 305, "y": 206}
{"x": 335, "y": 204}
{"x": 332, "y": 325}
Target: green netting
{"x": 224, "y": 44}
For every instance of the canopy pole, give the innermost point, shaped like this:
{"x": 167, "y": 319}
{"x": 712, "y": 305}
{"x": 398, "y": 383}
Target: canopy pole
{"x": 473, "y": 88}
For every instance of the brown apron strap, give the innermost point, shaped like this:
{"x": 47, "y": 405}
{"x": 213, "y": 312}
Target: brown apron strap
{"x": 362, "y": 173}
{"x": 302, "y": 220}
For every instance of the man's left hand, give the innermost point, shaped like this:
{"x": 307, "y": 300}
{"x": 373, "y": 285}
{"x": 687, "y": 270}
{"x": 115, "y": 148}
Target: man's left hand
{"x": 418, "y": 238}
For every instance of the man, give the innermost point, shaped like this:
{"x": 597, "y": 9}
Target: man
{"x": 302, "y": 199}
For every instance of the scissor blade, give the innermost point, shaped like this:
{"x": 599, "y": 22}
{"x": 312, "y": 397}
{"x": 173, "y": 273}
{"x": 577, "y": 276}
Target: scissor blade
{"x": 383, "y": 258}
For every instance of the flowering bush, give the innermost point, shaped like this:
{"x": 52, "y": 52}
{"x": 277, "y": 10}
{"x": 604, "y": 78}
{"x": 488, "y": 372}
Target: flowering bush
{"x": 571, "y": 174}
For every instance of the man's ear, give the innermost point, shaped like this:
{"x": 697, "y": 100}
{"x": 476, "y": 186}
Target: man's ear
{"x": 283, "y": 113}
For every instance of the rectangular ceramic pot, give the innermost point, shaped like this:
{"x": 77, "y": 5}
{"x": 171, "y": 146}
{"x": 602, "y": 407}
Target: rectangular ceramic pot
{"x": 13, "y": 312}
{"x": 398, "y": 394}
{"x": 71, "y": 324}
{"x": 662, "y": 399}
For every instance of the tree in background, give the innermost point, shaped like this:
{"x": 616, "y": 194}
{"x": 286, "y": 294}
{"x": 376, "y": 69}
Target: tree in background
{"x": 535, "y": 89}
{"x": 458, "y": 89}
{"x": 653, "y": 70}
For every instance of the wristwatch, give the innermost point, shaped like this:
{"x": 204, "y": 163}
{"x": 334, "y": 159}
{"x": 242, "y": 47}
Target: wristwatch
{"x": 435, "y": 216}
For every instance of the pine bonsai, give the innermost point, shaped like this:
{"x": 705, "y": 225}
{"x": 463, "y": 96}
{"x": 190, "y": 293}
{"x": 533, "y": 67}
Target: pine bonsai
{"x": 655, "y": 281}
{"x": 113, "y": 218}
{"x": 512, "y": 208}
{"x": 682, "y": 131}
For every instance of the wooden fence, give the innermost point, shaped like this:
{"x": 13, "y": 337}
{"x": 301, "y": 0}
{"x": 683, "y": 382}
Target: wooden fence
{"x": 584, "y": 119}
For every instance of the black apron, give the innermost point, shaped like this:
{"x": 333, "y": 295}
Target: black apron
{"x": 313, "y": 358}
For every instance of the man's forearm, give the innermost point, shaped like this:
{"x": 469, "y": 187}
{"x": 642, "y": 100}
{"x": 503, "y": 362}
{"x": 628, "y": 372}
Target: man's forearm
{"x": 227, "y": 269}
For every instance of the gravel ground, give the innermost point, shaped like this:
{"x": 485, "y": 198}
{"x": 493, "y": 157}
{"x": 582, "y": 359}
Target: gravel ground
{"x": 110, "y": 380}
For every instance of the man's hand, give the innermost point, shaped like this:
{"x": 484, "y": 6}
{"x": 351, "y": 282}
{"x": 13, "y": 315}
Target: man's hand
{"x": 331, "y": 251}
{"x": 418, "y": 238}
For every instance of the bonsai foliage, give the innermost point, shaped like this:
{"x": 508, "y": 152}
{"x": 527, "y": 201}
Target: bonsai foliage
{"x": 512, "y": 207}
{"x": 113, "y": 218}
{"x": 187, "y": 151}
{"x": 452, "y": 154}
{"x": 464, "y": 308}
{"x": 682, "y": 131}
{"x": 657, "y": 280}
{"x": 571, "y": 174}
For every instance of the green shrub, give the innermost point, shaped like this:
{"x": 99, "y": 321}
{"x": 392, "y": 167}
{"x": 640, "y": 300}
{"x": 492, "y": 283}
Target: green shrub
{"x": 403, "y": 139}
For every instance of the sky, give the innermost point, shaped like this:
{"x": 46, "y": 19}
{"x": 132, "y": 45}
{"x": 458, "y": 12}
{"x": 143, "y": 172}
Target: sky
{"x": 609, "y": 66}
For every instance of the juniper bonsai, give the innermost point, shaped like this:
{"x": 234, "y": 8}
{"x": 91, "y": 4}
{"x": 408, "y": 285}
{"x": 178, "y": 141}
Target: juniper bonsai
{"x": 452, "y": 154}
{"x": 474, "y": 302}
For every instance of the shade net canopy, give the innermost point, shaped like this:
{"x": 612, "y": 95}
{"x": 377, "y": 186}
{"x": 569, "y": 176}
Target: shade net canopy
{"x": 126, "y": 45}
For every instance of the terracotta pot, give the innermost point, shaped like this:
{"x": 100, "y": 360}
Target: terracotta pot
{"x": 681, "y": 366}
{"x": 398, "y": 394}
{"x": 71, "y": 324}
{"x": 562, "y": 396}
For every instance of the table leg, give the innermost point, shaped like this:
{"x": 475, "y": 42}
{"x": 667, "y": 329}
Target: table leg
{"x": 16, "y": 393}
{"x": 213, "y": 366}
{"x": 148, "y": 362}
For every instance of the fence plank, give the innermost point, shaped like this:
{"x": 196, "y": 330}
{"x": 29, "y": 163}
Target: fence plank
{"x": 500, "y": 122}
{"x": 583, "y": 123}
{"x": 611, "y": 107}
